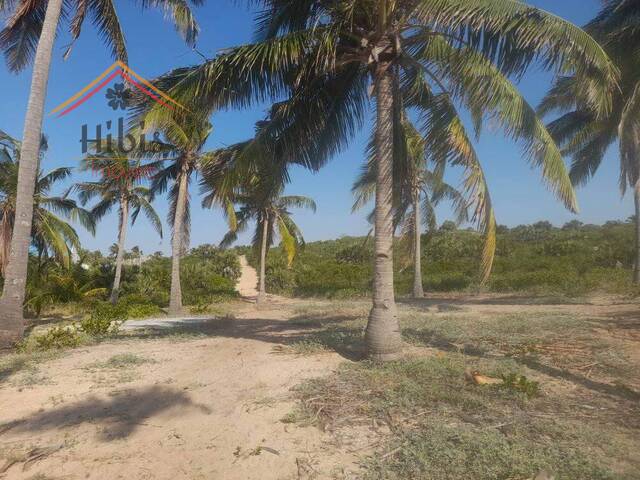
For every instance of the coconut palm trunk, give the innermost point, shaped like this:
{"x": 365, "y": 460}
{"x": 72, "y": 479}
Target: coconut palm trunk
{"x": 262, "y": 292}
{"x": 11, "y": 314}
{"x": 383, "y": 332}
{"x": 418, "y": 291}
{"x": 122, "y": 235}
{"x": 175, "y": 300}
{"x": 636, "y": 270}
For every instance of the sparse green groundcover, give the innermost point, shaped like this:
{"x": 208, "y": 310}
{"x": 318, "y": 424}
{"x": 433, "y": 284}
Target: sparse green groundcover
{"x": 541, "y": 259}
{"x": 122, "y": 360}
{"x": 442, "y": 426}
{"x": 13, "y": 363}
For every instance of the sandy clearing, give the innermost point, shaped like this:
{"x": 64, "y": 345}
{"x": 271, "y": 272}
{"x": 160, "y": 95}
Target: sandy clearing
{"x": 206, "y": 407}
{"x": 199, "y": 409}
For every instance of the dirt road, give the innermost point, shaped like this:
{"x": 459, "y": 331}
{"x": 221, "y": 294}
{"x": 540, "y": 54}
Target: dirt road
{"x": 248, "y": 283}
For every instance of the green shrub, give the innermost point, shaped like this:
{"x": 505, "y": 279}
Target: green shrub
{"x": 280, "y": 279}
{"x": 58, "y": 338}
{"x": 357, "y": 254}
{"x": 199, "y": 309}
{"x": 203, "y": 286}
{"x": 105, "y": 319}
{"x": 206, "y": 272}
{"x": 138, "y": 306}
{"x": 520, "y": 383}
{"x": 143, "y": 310}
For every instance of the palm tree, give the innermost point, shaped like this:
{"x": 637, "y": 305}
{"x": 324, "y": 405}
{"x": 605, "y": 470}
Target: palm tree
{"x": 32, "y": 26}
{"x": 120, "y": 184}
{"x": 51, "y": 235}
{"x": 260, "y": 199}
{"x": 583, "y": 133}
{"x": 325, "y": 58}
{"x": 137, "y": 255}
{"x": 416, "y": 193}
{"x": 184, "y": 138}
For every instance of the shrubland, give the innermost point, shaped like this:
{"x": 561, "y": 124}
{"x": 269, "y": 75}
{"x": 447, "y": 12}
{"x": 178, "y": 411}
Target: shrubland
{"x": 208, "y": 276}
{"x": 573, "y": 260}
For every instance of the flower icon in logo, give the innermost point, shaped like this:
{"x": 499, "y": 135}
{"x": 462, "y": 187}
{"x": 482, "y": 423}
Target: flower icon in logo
{"x": 118, "y": 97}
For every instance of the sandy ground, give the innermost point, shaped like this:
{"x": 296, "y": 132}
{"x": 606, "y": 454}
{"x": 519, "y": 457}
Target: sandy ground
{"x": 198, "y": 408}
{"x": 248, "y": 282}
{"x": 207, "y": 408}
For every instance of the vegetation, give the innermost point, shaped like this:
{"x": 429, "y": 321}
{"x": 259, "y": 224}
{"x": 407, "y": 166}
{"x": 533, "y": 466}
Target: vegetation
{"x": 322, "y": 58}
{"x": 31, "y": 28}
{"x": 435, "y": 422}
{"x": 52, "y": 236}
{"x": 536, "y": 259}
{"x": 478, "y": 393}
{"x": 209, "y": 277}
{"x": 261, "y": 200}
{"x": 415, "y": 188}
{"x": 119, "y": 185}
{"x": 585, "y": 134}
{"x": 185, "y": 137}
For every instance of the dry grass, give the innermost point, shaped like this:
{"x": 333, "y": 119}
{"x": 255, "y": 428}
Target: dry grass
{"x": 434, "y": 424}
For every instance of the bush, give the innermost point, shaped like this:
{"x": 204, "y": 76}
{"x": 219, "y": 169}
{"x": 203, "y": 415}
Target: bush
{"x": 137, "y": 306}
{"x": 105, "y": 319}
{"x": 143, "y": 310}
{"x": 206, "y": 272}
{"x": 58, "y": 338}
{"x": 357, "y": 254}
{"x": 201, "y": 285}
{"x": 536, "y": 259}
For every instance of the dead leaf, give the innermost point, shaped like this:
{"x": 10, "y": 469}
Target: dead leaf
{"x": 479, "y": 379}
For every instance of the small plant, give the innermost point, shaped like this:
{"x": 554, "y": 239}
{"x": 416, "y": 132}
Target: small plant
{"x": 105, "y": 319}
{"x": 143, "y": 310}
{"x": 123, "y": 360}
{"x": 200, "y": 308}
{"x": 520, "y": 383}
{"x": 58, "y": 338}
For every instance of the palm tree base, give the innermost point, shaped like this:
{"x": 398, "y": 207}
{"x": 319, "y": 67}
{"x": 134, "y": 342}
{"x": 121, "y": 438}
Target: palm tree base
{"x": 11, "y": 324}
{"x": 418, "y": 293}
{"x": 175, "y": 311}
{"x": 113, "y": 298}
{"x": 382, "y": 337}
{"x": 261, "y": 298}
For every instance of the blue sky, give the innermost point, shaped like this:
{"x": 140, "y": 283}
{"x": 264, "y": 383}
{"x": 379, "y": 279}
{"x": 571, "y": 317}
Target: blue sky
{"x": 154, "y": 47}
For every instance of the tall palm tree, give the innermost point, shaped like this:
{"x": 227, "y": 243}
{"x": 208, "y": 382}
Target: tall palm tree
{"x": 261, "y": 200}
{"x": 32, "y": 27}
{"x": 416, "y": 192}
{"x": 184, "y": 138}
{"x": 51, "y": 235}
{"x": 121, "y": 185}
{"x": 325, "y": 58}
{"x": 584, "y": 134}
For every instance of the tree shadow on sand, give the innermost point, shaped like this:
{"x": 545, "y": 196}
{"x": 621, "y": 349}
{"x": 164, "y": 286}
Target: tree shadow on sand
{"x": 328, "y": 331}
{"x": 119, "y": 416}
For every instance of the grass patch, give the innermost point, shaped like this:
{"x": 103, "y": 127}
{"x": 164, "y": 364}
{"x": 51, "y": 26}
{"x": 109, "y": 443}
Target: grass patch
{"x": 14, "y": 363}
{"x": 438, "y": 425}
{"x": 564, "y": 341}
{"x": 120, "y": 361}
{"x": 117, "y": 369}
{"x": 443, "y": 427}
{"x": 462, "y": 452}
